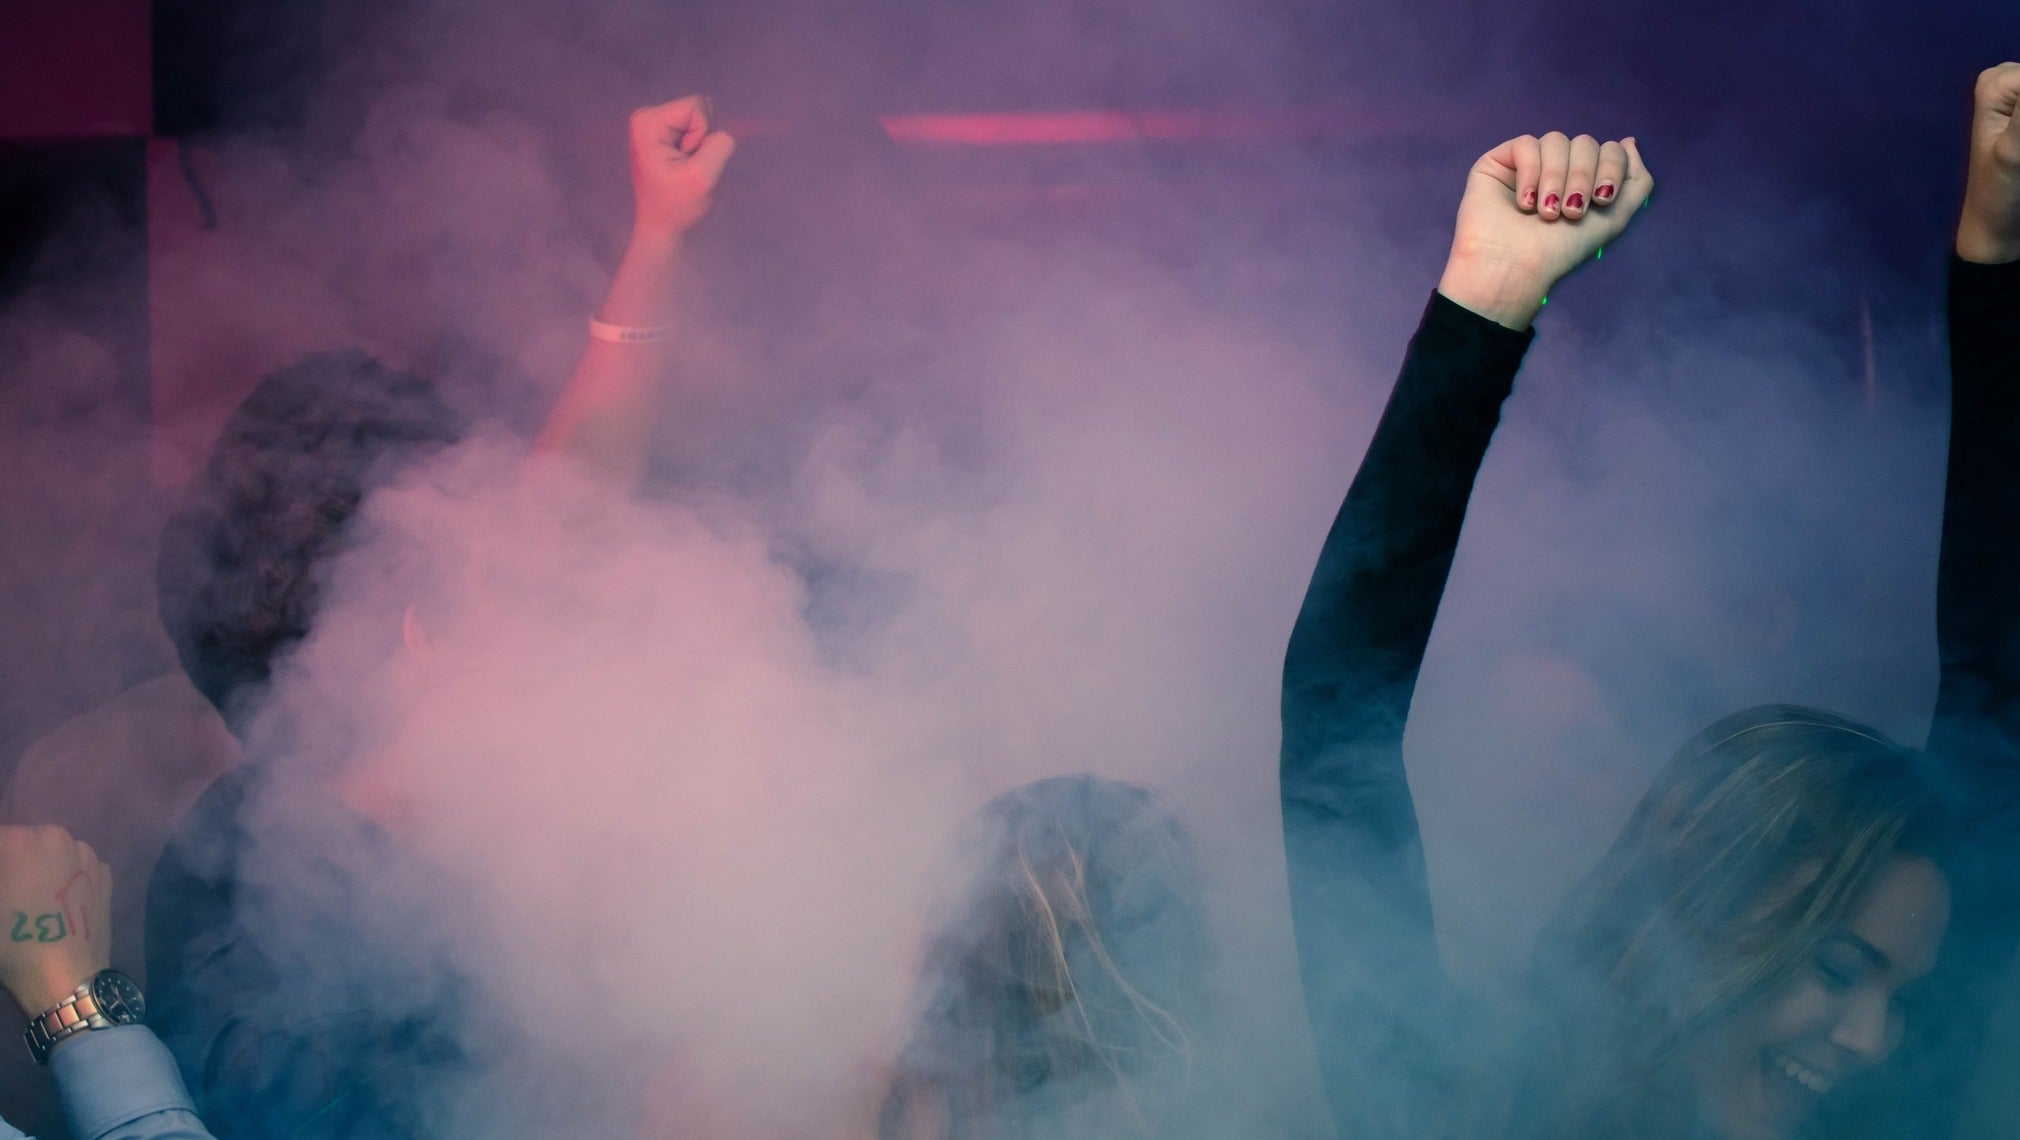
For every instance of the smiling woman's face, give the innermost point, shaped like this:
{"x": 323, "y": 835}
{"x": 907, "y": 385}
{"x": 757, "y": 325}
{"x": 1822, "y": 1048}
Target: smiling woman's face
{"x": 1761, "y": 1072}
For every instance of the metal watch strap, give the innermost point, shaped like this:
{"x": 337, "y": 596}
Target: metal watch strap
{"x": 71, "y": 1016}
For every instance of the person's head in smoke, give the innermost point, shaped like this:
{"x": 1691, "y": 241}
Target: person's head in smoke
{"x": 1743, "y": 946}
{"x": 1061, "y": 993}
{"x": 239, "y": 564}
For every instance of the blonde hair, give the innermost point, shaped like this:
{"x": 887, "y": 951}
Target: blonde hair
{"x": 1754, "y": 842}
{"x": 1063, "y": 989}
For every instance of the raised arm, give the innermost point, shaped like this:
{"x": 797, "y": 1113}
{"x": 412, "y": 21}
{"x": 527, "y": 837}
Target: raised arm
{"x": 605, "y": 415}
{"x": 1533, "y": 211}
{"x": 1978, "y": 590}
{"x": 1975, "y": 737}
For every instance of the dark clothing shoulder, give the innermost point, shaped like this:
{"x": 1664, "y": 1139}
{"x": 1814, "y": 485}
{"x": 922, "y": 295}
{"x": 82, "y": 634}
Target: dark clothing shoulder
{"x": 297, "y": 973}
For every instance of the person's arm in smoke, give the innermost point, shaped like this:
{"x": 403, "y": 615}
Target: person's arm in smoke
{"x": 1533, "y": 211}
{"x": 1975, "y": 737}
{"x": 605, "y": 415}
{"x": 1978, "y": 587}
{"x": 117, "y": 1083}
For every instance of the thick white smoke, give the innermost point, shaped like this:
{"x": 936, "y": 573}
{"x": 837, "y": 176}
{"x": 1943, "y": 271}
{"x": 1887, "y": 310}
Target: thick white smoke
{"x": 951, "y": 505}
{"x": 683, "y": 781}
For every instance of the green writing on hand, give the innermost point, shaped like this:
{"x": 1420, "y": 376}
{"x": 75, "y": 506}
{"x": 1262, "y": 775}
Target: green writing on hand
{"x": 48, "y": 928}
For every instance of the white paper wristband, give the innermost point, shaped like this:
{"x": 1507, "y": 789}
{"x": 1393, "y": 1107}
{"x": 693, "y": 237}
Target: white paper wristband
{"x": 624, "y": 334}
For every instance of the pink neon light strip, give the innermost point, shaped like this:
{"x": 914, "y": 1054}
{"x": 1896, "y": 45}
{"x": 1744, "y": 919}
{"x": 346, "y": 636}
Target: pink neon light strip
{"x": 1081, "y": 128}
{"x": 1086, "y": 128}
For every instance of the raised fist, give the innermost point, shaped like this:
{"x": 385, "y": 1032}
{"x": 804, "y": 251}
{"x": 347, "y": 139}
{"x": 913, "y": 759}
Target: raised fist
{"x": 56, "y": 906}
{"x": 1989, "y": 231}
{"x": 676, "y": 161}
{"x": 1534, "y": 210}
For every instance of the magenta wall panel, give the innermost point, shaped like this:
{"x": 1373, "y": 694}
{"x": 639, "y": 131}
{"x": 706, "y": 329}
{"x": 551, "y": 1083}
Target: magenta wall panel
{"x": 76, "y": 69}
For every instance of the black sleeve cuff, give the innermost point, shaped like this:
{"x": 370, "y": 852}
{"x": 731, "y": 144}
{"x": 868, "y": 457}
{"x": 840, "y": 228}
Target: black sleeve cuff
{"x": 1993, "y": 290}
{"x": 1448, "y": 317}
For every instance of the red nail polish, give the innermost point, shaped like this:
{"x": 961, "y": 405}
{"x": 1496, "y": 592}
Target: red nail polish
{"x": 1550, "y": 201}
{"x": 1529, "y": 199}
{"x": 1604, "y": 192}
{"x": 1575, "y": 202}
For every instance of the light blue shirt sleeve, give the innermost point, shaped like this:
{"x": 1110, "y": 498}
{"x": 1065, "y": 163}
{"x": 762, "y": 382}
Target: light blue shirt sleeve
{"x": 122, "y": 1084}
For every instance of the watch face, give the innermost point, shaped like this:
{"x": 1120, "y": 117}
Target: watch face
{"x": 118, "y": 998}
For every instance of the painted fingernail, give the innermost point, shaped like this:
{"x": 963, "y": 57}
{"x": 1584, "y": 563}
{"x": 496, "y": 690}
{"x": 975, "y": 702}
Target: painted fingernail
{"x": 1575, "y": 202}
{"x": 1529, "y": 199}
{"x": 1603, "y": 192}
{"x": 1550, "y": 201}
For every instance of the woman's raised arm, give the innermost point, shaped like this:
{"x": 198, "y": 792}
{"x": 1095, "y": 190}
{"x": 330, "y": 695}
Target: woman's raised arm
{"x": 1534, "y": 210}
{"x": 1975, "y": 738}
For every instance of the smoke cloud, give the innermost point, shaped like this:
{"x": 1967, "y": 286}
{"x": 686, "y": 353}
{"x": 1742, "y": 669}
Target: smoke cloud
{"x": 987, "y": 466}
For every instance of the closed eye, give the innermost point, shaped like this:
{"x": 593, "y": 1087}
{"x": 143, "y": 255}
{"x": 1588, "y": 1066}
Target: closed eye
{"x": 1835, "y": 978}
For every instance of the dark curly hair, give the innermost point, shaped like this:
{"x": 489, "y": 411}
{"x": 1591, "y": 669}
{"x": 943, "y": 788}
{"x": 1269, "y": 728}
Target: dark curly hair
{"x": 238, "y": 567}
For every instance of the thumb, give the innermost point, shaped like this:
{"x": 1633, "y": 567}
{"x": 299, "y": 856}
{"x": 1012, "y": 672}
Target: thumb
{"x": 1504, "y": 164}
{"x": 709, "y": 158}
{"x": 1640, "y": 184}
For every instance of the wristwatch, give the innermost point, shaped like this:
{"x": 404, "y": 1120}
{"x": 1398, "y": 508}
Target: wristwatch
{"x": 110, "y": 998}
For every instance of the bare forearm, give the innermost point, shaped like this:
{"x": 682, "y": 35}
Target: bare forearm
{"x": 605, "y": 414}
{"x": 1983, "y": 237}
{"x": 1503, "y": 293}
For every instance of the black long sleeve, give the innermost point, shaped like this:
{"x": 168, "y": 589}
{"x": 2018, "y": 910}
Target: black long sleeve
{"x": 1374, "y": 989}
{"x": 1974, "y": 741}
{"x": 1977, "y": 725}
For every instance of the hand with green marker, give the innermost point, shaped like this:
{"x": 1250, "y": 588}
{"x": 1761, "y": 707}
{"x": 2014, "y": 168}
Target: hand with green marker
{"x": 56, "y": 903}
{"x": 1536, "y": 209}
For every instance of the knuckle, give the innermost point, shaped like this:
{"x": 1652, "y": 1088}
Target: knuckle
{"x": 1556, "y": 137}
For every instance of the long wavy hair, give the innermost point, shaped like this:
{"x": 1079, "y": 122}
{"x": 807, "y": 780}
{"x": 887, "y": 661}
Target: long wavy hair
{"x": 1750, "y": 849}
{"x": 1061, "y": 994}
